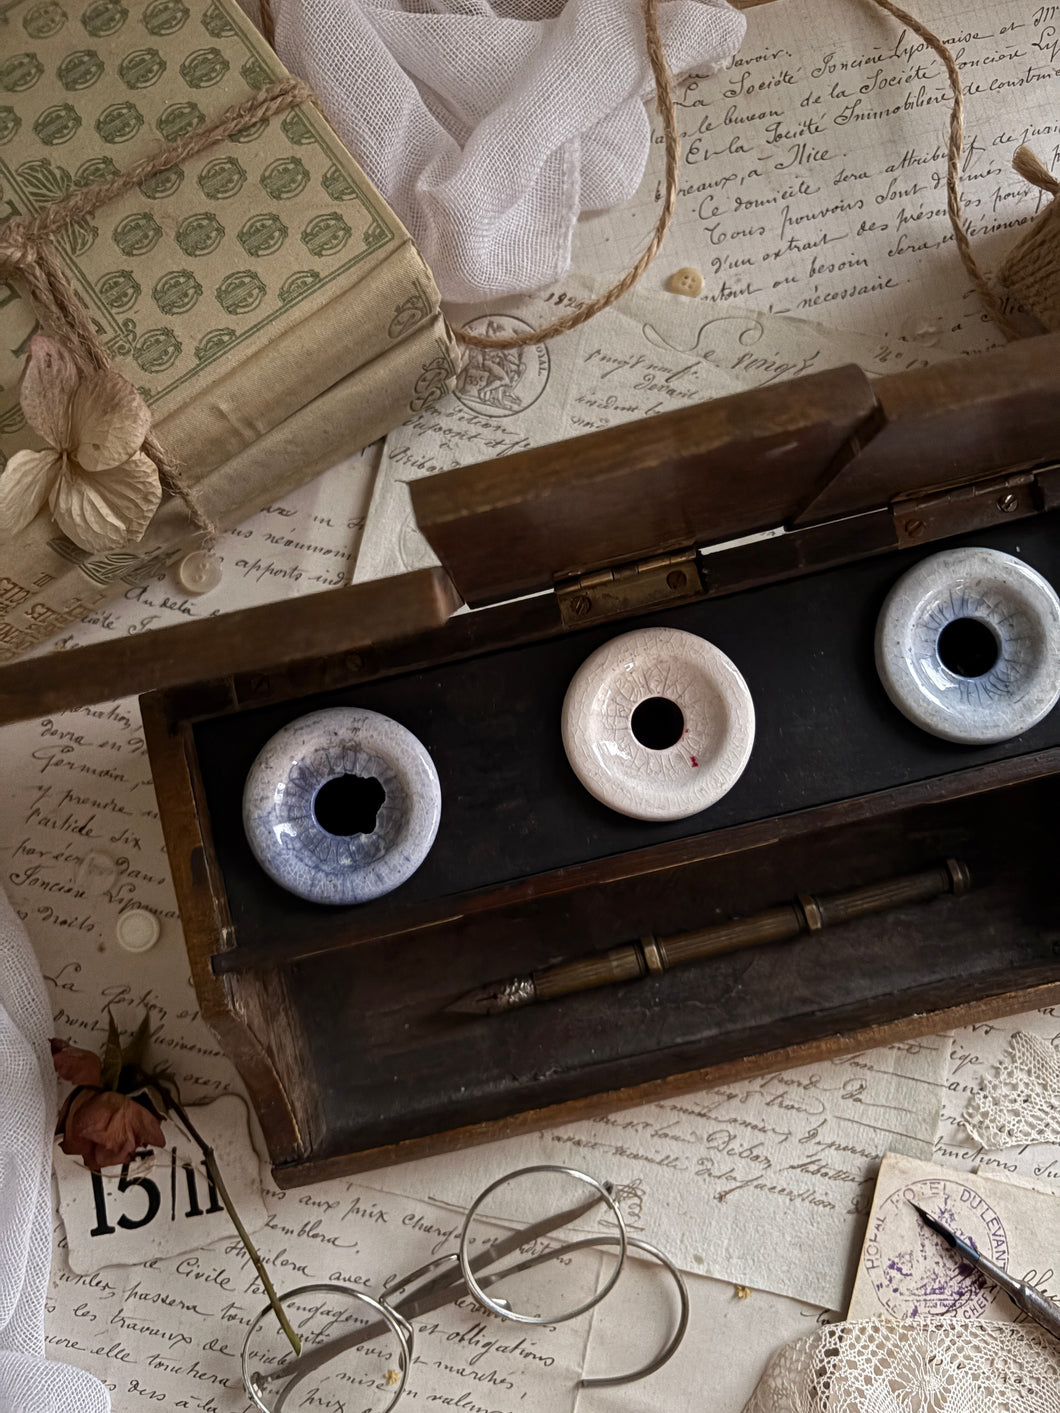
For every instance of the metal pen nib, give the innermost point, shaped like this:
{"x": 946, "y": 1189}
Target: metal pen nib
{"x": 1024, "y": 1296}
{"x": 497, "y": 997}
{"x": 949, "y": 1237}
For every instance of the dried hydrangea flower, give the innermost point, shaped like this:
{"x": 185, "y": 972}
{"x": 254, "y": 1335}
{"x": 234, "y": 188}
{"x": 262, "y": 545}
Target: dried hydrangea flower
{"x": 100, "y": 486}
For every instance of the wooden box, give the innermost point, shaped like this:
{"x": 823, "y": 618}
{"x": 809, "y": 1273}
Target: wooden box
{"x": 336, "y": 1016}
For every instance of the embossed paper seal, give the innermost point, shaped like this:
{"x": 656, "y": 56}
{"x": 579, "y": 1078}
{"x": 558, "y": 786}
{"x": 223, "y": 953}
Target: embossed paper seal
{"x": 913, "y": 1272}
{"x": 501, "y": 382}
{"x": 658, "y": 724}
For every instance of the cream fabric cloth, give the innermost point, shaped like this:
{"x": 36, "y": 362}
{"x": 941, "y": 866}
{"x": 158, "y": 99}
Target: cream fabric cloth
{"x": 489, "y": 127}
{"x": 29, "y": 1383}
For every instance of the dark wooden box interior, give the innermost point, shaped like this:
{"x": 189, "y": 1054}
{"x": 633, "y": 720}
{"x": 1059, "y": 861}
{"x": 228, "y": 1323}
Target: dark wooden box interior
{"x": 528, "y": 868}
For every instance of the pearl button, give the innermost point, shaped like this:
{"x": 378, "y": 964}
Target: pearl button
{"x": 137, "y": 930}
{"x": 199, "y": 572}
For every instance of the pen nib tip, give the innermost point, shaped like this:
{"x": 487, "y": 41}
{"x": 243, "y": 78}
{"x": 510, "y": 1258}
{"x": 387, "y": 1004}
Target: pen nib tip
{"x": 934, "y": 1223}
{"x": 493, "y": 999}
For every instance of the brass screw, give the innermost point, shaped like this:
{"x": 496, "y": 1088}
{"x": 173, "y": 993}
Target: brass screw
{"x": 581, "y": 604}
{"x": 1008, "y": 502}
{"x": 676, "y": 579}
{"x": 353, "y": 662}
{"x": 913, "y": 527}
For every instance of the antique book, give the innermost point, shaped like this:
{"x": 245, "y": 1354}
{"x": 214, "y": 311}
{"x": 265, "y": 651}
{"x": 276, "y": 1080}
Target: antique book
{"x": 265, "y": 300}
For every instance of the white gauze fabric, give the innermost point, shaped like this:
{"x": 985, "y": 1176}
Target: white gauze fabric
{"x": 913, "y": 1366}
{"x": 490, "y": 126}
{"x": 28, "y": 1382}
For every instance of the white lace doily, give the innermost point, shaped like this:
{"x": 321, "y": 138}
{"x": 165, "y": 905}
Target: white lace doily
{"x": 913, "y": 1366}
{"x": 1019, "y": 1102}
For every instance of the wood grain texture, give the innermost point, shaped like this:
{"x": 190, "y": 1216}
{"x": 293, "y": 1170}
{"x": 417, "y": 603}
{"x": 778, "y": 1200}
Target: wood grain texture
{"x": 797, "y": 453}
{"x": 206, "y": 922}
{"x": 338, "y": 621}
{"x": 828, "y": 1047}
{"x": 952, "y": 423}
{"x": 702, "y": 473}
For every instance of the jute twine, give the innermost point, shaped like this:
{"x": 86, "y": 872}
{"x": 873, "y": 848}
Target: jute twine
{"x": 1032, "y": 270}
{"x": 26, "y": 251}
{"x": 1040, "y": 262}
{"x": 664, "y": 102}
{"x": 990, "y": 300}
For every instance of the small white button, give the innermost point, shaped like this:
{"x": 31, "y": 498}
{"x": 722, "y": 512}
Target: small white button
{"x": 96, "y": 873}
{"x": 138, "y": 930}
{"x": 199, "y": 572}
{"x": 687, "y": 281}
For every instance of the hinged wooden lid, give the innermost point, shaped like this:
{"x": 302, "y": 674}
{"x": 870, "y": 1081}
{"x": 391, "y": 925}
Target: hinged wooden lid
{"x": 274, "y": 634}
{"x": 811, "y": 450}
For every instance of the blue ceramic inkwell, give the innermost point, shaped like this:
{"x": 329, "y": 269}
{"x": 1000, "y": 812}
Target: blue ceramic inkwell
{"x": 342, "y": 805}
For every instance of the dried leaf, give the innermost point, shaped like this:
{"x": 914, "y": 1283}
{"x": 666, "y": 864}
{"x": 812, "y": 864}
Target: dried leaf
{"x": 24, "y": 486}
{"x": 136, "y": 1049}
{"x": 111, "y": 1065}
{"x": 109, "y": 421}
{"x": 49, "y": 382}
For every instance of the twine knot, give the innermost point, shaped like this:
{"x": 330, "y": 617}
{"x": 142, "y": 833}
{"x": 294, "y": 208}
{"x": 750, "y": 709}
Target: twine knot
{"x": 1032, "y": 169}
{"x": 15, "y": 254}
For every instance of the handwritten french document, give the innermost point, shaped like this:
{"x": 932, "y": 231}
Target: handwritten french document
{"x": 811, "y": 200}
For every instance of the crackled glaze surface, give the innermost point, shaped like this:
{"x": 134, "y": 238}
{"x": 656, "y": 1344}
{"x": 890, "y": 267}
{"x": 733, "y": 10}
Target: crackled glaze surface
{"x": 682, "y": 779}
{"x": 1022, "y": 612}
{"x": 285, "y": 779}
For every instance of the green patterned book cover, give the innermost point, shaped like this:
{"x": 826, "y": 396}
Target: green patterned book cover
{"x": 238, "y": 289}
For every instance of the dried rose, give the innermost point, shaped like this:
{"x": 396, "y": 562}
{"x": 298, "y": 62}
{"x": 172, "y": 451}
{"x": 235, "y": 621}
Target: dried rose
{"x": 101, "y": 487}
{"x": 106, "y": 1128}
{"x": 77, "y": 1066}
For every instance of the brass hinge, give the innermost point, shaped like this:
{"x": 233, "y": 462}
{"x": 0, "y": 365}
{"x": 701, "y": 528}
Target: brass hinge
{"x": 663, "y": 580}
{"x": 963, "y": 508}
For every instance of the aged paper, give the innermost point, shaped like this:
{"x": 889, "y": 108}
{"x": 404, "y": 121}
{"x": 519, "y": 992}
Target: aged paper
{"x": 812, "y": 197}
{"x": 79, "y": 843}
{"x": 162, "y": 1203}
{"x": 813, "y": 171}
{"x": 976, "y": 1051}
{"x": 784, "y": 1208}
{"x": 765, "y": 1182}
{"x": 733, "y": 1332}
{"x": 906, "y": 1270}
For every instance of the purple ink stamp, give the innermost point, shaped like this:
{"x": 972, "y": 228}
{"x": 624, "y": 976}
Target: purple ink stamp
{"x": 913, "y": 1272}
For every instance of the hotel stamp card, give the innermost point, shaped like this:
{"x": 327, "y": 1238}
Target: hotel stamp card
{"x": 909, "y": 1272}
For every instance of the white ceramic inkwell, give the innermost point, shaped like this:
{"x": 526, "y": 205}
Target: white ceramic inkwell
{"x": 658, "y": 724}
{"x": 342, "y": 805}
{"x": 968, "y": 646}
